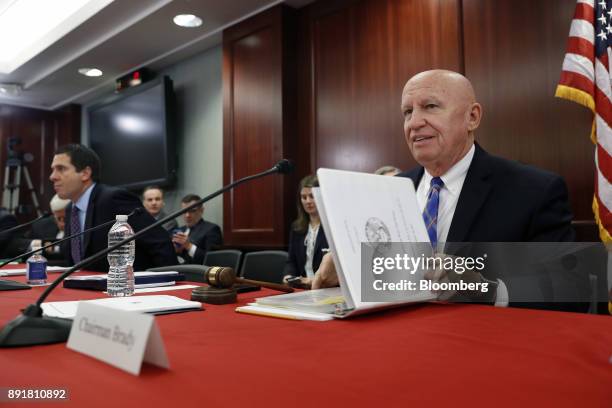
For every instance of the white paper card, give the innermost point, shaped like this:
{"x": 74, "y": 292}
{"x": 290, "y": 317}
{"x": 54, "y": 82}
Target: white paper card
{"x": 120, "y": 338}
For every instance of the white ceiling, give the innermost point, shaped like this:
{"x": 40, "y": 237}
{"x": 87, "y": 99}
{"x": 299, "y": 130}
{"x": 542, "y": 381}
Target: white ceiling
{"x": 126, "y": 35}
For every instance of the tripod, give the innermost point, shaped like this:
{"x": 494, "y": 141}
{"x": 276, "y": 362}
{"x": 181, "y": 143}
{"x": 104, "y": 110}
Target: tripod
{"x": 16, "y": 167}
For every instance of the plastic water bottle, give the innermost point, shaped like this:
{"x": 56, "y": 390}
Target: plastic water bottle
{"x": 121, "y": 272}
{"x": 36, "y": 272}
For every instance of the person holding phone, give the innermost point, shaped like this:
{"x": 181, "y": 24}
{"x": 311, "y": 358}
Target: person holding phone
{"x": 307, "y": 242}
{"x": 197, "y": 237}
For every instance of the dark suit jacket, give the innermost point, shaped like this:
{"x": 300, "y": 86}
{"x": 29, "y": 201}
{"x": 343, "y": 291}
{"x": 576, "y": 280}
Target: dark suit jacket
{"x": 7, "y": 220}
{"x": 297, "y": 253}
{"x": 505, "y": 201}
{"x": 45, "y": 229}
{"x": 153, "y": 249}
{"x": 11, "y": 244}
{"x": 168, "y": 226}
{"x": 206, "y": 236}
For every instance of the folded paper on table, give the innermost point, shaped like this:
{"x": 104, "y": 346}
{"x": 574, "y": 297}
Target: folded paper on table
{"x": 154, "y": 304}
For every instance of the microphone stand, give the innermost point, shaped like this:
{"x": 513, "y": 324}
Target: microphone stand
{"x": 32, "y": 328}
{"x": 25, "y": 224}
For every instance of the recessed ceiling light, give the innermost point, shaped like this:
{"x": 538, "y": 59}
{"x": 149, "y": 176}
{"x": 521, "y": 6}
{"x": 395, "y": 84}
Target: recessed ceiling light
{"x": 11, "y": 89}
{"x": 187, "y": 20}
{"x": 90, "y": 72}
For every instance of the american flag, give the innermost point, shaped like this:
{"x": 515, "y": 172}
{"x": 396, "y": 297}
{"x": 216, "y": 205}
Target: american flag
{"x": 586, "y": 79}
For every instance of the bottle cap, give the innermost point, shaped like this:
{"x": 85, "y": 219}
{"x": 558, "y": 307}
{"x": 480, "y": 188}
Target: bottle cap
{"x": 121, "y": 217}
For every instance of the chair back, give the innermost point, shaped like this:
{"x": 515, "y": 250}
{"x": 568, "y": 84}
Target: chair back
{"x": 226, "y": 257}
{"x": 264, "y": 266}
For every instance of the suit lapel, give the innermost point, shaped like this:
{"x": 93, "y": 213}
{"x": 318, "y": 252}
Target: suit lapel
{"x": 474, "y": 193}
{"x": 319, "y": 240}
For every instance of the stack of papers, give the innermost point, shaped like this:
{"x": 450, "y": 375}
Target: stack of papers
{"x": 320, "y": 305}
{"x": 141, "y": 280}
{"x": 158, "y": 304}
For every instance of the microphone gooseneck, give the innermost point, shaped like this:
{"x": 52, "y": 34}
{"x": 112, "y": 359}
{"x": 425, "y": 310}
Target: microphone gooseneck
{"x": 59, "y": 241}
{"x": 25, "y": 224}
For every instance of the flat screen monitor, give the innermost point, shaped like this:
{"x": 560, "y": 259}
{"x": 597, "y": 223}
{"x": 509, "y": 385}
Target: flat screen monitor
{"x": 132, "y": 134}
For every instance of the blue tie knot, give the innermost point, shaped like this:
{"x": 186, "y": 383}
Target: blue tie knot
{"x": 437, "y": 183}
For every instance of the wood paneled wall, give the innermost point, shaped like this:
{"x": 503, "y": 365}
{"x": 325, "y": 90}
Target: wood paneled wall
{"x": 358, "y": 56}
{"x": 258, "y": 119}
{"x": 354, "y": 57}
{"x": 513, "y": 55}
{"x": 40, "y": 133}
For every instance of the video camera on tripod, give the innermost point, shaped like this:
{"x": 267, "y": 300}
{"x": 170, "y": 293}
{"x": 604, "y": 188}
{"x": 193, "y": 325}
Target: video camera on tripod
{"x": 16, "y": 166}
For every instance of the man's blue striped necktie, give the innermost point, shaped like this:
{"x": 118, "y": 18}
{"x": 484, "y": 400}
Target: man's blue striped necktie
{"x": 430, "y": 213}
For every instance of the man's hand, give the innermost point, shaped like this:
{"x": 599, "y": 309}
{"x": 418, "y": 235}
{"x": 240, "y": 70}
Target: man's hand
{"x": 468, "y": 276}
{"x": 326, "y": 276}
{"x": 181, "y": 242}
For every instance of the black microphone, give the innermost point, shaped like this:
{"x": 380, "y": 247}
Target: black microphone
{"x": 32, "y": 328}
{"x": 25, "y": 224}
{"x": 284, "y": 166}
{"x": 137, "y": 210}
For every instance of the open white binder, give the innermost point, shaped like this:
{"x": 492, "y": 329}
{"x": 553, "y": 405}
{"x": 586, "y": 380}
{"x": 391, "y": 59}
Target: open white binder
{"x": 349, "y": 204}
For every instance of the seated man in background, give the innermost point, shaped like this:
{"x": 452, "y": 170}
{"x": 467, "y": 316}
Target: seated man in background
{"x": 153, "y": 201}
{"x": 50, "y": 229}
{"x": 197, "y": 236}
{"x": 387, "y": 171}
{"x": 75, "y": 176}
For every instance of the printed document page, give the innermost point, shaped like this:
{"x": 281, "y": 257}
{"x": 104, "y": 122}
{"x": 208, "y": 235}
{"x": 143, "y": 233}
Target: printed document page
{"x": 359, "y": 207}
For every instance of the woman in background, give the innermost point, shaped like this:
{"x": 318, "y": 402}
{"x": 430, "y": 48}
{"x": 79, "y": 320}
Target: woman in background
{"x": 307, "y": 241}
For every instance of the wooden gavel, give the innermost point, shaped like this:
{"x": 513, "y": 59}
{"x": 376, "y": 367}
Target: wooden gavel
{"x": 225, "y": 277}
{"x": 221, "y": 277}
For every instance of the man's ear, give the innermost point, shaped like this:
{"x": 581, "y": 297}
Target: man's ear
{"x": 86, "y": 173}
{"x": 474, "y": 116}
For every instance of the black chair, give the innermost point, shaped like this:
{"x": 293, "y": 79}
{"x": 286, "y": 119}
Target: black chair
{"x": 266, "y": 266}
{"x": 226, "y": 257}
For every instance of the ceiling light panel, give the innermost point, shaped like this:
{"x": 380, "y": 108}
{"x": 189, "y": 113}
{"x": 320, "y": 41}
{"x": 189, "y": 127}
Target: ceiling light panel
{"x": 27, "y": 27}
{"x": 187, "y": 20}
